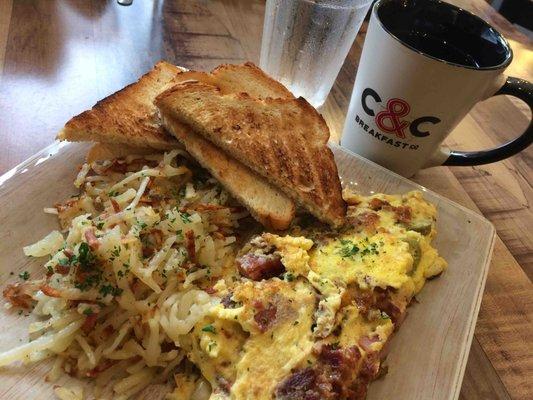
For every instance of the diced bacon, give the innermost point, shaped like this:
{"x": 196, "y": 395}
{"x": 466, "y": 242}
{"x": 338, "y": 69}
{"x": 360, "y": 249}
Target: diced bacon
{"x": 363, "y": 301}
{"x": 148, "y": 251}
{"x": 403, "y": 214}
{"x": 265, "y": 317}
{"x": 210, "y": 290}
{"x": 18, "y": 294}
{"x": 384, "y": 303}
{"x": 91, "y": 239}
{"x": 190, "y": 245}
{"x": 89, "y": 323}
{"x": 116, "y": 206}
{"x": 157, "y": 235}
{"x": 50, "y": 291}
{"x": 368, "y": 220}
{"x": 227, "y": 302}
{"x": 108, "y": 331}
{"x": 260, "y": 266}
{"x": 340, "y": 358}
{"x": 68, "y": 253}
{"x": 377, "y": 204}
{"x": 201, "y": 207}
{"x": 366, "y": 342}
{"x": 62, "y": 269}
{"x": 300, "y": 385}
{"x": 135, "y": 285}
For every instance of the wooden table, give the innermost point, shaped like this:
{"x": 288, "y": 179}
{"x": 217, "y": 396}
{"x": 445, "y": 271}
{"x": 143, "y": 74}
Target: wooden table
{"x": 58, "y": 58}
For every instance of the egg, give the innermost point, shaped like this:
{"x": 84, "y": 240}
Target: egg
{"x": 341, "y": 295}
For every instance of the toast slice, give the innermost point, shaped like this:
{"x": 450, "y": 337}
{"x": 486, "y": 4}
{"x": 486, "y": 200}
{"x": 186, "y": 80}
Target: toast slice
{"x": 267, "y": 204}
{"x": 282, "y": 139}
{"x": 127, "y": 116}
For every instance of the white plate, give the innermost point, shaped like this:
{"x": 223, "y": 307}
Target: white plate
{"x": 429, "y": 353}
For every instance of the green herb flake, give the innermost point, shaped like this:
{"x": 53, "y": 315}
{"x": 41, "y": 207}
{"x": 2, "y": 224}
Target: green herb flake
{"x": 185, "y": 217}
{"x": 63, "y": 262}
{"x": 209, "y": 328}
{"x": 110, "y": 290}
{"x": 24, "y": 275}
{"x": 288, "y": 277}
{"x": 349, "y": 249}
{"x": 85, "y": 256}
{"x": 88, "y": 311}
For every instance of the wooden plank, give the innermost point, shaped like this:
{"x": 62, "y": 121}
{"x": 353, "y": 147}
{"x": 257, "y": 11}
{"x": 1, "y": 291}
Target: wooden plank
{"x": 506, "y": 315}
{"x": 5, "y": 19}
{"x": 502, "y": 191}
{"x": 481, "y": 382}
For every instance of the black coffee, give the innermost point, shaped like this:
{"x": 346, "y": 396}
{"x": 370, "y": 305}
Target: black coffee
{"x": 437, "y": 47}
{"x": 444, "y": 32}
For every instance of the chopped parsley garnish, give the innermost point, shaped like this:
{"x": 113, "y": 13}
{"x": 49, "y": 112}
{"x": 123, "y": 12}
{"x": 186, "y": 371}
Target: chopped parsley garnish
{"x": 288, "y": 277}
{"x": 142, "y": 225}
{"x": 88, "y": 311}
{"x": 110, "y": 290}
{"x": 88, "y": 282}
{"x": 370, "y": 249}
{"x": 85, "y": 256}
{"x": 185, "y": 217}
{"x": 24, "y": 275}
{"x": 100, "y": 225}
{"x": 115, "y": 252}
{"x": 113, "y": 193}
{"x": 209, "y": 328}
{"x": 63, "y": 262}
{"x": 348, "y": 249}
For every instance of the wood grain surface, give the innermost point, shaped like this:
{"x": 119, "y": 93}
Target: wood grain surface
{"x": 58, "y": 58}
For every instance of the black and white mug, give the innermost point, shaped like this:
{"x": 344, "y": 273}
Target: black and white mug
{"x": 425, "y": 64}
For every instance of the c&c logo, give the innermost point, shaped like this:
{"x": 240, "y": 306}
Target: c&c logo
{"x": 390, "y": 120}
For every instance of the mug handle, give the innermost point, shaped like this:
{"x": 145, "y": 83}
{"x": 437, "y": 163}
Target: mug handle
{"x": 514, "y": 87}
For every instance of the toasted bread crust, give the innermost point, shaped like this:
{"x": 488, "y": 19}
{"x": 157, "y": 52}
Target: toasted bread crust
{"x": 283, "y": 139}
{"x": 267, "y": 204}
{"x": 127, "y": 116}
{"x": 247, "y": 78}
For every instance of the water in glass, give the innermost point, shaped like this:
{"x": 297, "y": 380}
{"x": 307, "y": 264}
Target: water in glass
{"x": 305, "y": 42}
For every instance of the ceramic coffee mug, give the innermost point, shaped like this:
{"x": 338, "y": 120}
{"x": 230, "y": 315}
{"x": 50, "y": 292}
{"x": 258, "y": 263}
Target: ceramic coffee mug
{"x": 424, "y": 65}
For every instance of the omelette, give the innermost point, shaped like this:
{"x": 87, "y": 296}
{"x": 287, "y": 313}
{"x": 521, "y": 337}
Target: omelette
{"x": 307, "y": 314}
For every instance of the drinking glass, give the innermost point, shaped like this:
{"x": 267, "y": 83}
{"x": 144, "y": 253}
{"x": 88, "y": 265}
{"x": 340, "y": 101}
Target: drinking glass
{"x": 305, "y": 42}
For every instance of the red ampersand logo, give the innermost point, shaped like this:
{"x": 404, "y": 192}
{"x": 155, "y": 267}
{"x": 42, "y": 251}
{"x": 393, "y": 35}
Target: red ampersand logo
{"x": 396, "y": 108}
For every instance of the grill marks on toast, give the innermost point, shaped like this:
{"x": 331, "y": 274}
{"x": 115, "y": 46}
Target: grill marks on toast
{"x": 283, "y": 139}
{"x": 252, "y": 117}
{"x": 267, "y": 204}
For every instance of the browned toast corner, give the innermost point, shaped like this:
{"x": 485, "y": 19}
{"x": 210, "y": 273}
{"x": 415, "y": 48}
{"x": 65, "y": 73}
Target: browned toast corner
{"x": 282, "y": 139}
{"x": 248, "y": 78}
{"x": 128, "y": 116}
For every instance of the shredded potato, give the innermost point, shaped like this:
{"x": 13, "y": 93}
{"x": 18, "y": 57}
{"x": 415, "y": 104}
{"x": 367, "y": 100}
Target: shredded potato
{"x": 127, "y": 280}
{"x": 50, "y": 244}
